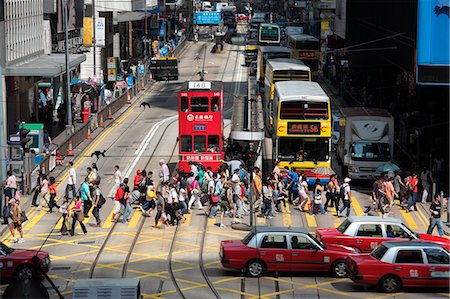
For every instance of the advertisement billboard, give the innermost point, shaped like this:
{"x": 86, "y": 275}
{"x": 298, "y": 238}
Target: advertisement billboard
{"x": 433, "y": 49}
{"x": 207, "y": 18}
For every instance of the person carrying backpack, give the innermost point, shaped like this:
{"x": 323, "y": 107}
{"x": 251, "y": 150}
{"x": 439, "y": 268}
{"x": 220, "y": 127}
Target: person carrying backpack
{"x": 345, "y": 194}
{"x": 99, "y": 201}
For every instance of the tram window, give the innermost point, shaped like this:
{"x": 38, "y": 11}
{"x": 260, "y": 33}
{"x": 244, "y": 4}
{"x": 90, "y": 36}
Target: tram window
{"x": 186, "y": 143}
{"x": 199, "y": 143}
{"x": 213, "y": 143}
{"x": 184, "y": 104}
{"x": 215, "y": 104}
{"x": 199, "y": 104}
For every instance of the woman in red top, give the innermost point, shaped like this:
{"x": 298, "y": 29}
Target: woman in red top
{"x": 52, "y": 190}
{"x": 137, "y": 179}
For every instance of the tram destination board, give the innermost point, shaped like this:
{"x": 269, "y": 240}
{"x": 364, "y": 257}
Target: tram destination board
{"x": 304, "y": 128}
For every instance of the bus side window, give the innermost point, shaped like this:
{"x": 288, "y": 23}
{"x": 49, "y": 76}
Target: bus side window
{"x": 215, "y": 104}
{"x": 186, "y": 143}
{"x": 199, "y": 143}
{"x": 184, "y": 105}
{"x": 213, "y": 143}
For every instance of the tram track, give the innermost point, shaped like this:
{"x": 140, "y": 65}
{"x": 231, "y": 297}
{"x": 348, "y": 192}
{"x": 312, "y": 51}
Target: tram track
{"x": 141, "y": 224}
{"x": 127, "y": 259}
{"x": 201, "y": 265}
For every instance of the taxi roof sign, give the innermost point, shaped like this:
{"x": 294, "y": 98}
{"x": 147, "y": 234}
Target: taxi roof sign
{"x": 199, "y": 85}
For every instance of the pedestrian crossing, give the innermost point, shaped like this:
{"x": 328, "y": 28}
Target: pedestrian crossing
{"x": 289, "y": 216}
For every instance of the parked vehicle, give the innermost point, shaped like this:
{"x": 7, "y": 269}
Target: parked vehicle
{"x": 364, "y": 233}
{"x": 19, "y": 262}
{"x": 268, "y": 249}
{"x": 393, "y": 265}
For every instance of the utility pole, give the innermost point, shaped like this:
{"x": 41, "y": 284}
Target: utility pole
{"x": 3, "y": 130}
{"x": 94, "y": 36}
{"x": 69, "y": 129}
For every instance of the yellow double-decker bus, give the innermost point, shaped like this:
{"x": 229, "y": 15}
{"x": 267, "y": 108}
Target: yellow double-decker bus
{"x": 302, "y": 126}
{"x": 307, "y": 48}
{"x": 281, "y": 69}
{"x": 269, "y": 52}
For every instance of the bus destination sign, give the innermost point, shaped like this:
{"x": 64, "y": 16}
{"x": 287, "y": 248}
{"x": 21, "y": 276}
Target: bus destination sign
{"x": 303, "y": 128}
{"x": 199, "y": 85}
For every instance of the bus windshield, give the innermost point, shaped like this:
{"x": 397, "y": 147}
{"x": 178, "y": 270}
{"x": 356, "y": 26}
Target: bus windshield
{"x": 369, "y": 151}
{"x": 273, "y": 55}
{"x": 286, "y": 75}
{"x": 303, "y": 149}
{"x": 300, "y": 110}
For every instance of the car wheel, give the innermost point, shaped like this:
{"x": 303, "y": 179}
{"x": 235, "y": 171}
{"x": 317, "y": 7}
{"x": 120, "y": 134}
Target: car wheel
{"x": 390, "y": 284}
{"x": 255, "y": 268}
{"x": 24, "y": 272}
{"x": 339, "y": 268}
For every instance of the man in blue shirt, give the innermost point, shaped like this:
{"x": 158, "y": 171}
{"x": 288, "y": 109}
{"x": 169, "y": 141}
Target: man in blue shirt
{"x": 293, "y": 188}
{"x": 86, "y": 197}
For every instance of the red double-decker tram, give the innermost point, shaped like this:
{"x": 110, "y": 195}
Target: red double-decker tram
{"x": 200, "y": 105}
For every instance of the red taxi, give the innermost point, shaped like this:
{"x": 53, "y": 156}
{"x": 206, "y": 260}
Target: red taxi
{"x": 397, "y": 264}
{"x": 269, "y": 249}
{"x": 364, "y": 233}
{"x": 19, "y": 262}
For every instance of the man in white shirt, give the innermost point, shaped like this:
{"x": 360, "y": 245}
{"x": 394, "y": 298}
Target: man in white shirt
{"x": 194, "y": 168}
{"x": 71, "y": 181}
{"x": 117, "y": 180}
{"x": 347, "y": 199}
{"x": 164, "y": 173}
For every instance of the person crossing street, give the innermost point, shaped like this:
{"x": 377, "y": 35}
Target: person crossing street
{"x": 99, "y": 201}
{"x": 435, "y": 218}
{"x": 346, "y": 197}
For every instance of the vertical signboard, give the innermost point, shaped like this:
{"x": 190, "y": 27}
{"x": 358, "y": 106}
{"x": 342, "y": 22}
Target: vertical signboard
{"x": 111, "y": 65}
{"x": 433, "y": 32}
{"x": 87, "y": 32}
{"x": 100, "y": 32}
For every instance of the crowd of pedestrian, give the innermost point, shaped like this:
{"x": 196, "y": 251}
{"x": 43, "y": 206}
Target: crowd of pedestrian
{"x": 227, "y": 192}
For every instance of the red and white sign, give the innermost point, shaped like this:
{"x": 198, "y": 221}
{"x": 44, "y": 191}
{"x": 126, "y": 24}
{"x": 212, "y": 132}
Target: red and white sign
{"x": 191, "y": 117}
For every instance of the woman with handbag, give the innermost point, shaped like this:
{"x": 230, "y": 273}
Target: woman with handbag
{"x": 77, "y": 215}
{"x": 44, "y": 190}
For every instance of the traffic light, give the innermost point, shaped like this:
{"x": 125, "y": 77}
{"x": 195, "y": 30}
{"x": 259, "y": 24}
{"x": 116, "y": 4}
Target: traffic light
{"x": 24, "y": 139}
{"x": 251, "y": 158}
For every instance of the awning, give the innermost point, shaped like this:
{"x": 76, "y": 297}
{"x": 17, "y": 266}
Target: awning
{"x": 136, "y": 15}
{"x": 48, "y": 66}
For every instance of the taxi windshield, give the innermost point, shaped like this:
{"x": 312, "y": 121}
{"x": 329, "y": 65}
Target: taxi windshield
{"x": 5, "y": 249}
{"x": 321, "y": 244}
{"x": 248, "y": 238}
{"x": 344, "y": 225}
{"x": 379, "y": 252}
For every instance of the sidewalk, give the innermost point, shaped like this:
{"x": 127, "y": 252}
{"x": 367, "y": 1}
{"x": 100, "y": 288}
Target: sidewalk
{"x": 58, "y": 171}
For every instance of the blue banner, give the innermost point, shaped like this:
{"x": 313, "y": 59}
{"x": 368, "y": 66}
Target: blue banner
{"x": 207, "y": 18}
{"x": 433, "y": 32}
{"x": 161, "y": 30}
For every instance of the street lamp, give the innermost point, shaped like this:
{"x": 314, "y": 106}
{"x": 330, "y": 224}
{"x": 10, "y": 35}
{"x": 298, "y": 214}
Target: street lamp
{"x": 69, "y": 128}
